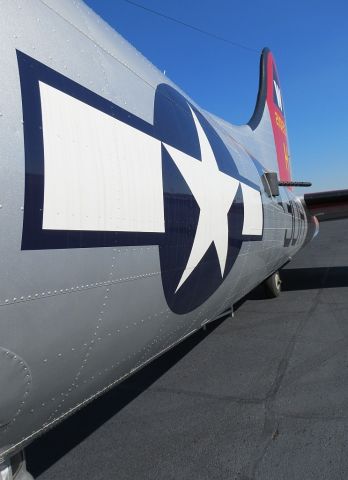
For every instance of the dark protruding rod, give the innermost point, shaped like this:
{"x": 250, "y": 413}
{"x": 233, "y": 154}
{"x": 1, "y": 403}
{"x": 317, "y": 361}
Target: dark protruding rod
{"x": 294, "y": 184}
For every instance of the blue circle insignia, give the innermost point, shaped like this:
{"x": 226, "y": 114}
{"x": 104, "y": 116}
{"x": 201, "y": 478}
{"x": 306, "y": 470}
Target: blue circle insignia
{"x": 193, "y": 265}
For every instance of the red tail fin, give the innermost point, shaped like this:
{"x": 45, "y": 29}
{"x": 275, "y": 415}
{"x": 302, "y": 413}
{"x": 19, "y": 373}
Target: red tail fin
{"x": 270, "y": 95}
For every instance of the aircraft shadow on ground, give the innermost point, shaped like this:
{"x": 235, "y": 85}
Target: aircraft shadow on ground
{"x": 313, "y": 278}
{"x": 295, "y": 279}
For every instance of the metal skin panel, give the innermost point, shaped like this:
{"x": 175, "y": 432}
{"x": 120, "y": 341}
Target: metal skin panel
{"x": 83, "y": 310}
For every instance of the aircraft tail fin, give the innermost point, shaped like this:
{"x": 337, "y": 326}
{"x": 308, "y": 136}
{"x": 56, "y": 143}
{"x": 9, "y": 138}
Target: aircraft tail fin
{"x": 270, "y": 97}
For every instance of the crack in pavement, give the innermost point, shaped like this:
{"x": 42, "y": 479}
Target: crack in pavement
{"x": 271, "y": 419}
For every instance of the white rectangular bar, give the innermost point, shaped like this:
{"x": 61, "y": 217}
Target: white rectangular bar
{"x": 253, "y": 214}
{"x": 100, "y": 174}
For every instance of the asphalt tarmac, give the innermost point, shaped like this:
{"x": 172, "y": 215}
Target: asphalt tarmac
{"x": 263, "y": 395}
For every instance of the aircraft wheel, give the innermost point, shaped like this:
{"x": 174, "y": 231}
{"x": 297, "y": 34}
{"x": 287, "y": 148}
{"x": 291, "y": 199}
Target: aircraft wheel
{"x": 273, "y": 285}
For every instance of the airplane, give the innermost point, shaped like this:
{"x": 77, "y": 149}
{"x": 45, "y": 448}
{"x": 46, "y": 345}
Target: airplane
{"x": 131, "y": 217}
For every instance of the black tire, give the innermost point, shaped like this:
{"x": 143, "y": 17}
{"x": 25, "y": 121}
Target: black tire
{"x": 273, "y": 285}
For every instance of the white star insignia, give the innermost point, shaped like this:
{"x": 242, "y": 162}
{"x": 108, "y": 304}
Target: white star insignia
{"x": 214, "y": 192}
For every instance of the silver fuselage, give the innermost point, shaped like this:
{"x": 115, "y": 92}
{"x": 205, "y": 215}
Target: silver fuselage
{"x": 76, "y": 321}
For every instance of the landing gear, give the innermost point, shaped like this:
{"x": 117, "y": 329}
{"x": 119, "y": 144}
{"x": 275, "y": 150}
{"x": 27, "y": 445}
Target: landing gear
{"x": 15, "y": 468}
{"x": 273, "y": 285}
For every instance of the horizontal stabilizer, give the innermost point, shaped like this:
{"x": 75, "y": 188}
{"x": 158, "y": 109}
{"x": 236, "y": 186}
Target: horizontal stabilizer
{"x": 329, "y": 205}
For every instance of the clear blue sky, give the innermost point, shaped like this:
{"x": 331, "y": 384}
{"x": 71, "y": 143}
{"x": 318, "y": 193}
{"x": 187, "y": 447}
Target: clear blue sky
{"x": 309, "y": 39}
